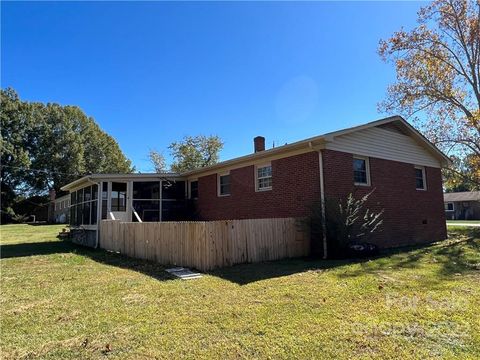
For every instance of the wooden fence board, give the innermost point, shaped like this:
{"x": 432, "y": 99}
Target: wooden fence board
{"x": 207, "y": 245}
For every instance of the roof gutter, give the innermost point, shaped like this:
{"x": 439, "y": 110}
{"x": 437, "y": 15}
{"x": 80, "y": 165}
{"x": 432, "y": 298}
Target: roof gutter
{"x": 77, "y": 182}
{"x": 311, "y": 143}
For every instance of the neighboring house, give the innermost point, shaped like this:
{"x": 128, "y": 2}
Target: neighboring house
{"x": 388, "y": 157}
{"x": 462, "y": 205}
{"x": 61, "y": 209}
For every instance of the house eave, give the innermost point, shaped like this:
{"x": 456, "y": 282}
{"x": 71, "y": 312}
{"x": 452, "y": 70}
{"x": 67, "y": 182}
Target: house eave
{"x": 95, "y": 178}
{"x": 313, "y": 144}
{"x": 445, "y": 161}
{"x": 310, "y": 144}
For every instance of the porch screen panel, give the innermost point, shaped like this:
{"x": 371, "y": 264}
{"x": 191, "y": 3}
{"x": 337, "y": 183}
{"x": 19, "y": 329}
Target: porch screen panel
{"x": 79, "y": 210}
{"x": 73, "y": 209}
{"x": 119, "y": 196}
{"x": 86, "y": 213}
{"x": 83, "y": 206}
{"x": 147, "y": 210}
{"x": 146, "y": 190}
{"x": 173, "y": 190}
{"x": 93, "y": 213}
{"x": 173, "y": 200}
{"x": 146, "y": 200}
{"x": 104, "y": 200}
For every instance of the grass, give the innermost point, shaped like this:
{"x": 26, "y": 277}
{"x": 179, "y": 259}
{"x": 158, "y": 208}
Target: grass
{"x": 67, "y": 302}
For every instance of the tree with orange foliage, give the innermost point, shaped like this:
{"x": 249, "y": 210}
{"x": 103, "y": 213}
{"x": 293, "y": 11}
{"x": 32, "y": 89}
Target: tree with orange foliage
{"x": 438, "y": 82}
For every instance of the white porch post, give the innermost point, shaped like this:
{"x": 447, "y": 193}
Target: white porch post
{"x": 109, "y": 199}
{"x": 129, "y": 199}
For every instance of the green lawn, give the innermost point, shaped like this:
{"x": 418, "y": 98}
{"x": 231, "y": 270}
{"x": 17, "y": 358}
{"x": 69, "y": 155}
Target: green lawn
{"x": 453, "y": 222}
{"x": 67, "y": 302}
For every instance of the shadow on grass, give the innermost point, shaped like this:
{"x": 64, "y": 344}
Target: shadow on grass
{"x": 149, "y": 268}
{"x": 248, "y": 273}
{"x": 38, "y": 248}
{"x": 453, "y": 257}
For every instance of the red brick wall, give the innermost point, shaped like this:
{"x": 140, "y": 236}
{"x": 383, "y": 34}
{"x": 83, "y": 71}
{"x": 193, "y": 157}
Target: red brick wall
{"x": 406, "y": 209}
{"x": 296, "y": 185}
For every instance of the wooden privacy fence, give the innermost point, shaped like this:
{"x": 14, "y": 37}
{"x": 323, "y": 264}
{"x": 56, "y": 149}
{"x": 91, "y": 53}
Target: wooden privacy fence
{"x": 205, "y": 245}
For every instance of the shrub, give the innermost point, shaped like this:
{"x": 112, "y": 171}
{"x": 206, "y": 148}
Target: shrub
{"x": 347, "y": 221}
{"x": 20, "y": 218}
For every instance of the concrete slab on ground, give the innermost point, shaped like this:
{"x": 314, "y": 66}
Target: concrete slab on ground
{"x": 183, "y": 273}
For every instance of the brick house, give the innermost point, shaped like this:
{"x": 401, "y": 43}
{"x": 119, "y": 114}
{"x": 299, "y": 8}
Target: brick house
{"x": 388, "y": 156}
{"x": 61, "y": 206}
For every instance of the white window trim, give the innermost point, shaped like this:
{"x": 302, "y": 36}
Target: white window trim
{"x": 190, "y": 188}
{"x": 257, "y": 189}
{"x": 218, "y": 184}
{"x": 453, "y": 206}
{"x": 424, "y": 176}
{"x": 367, "y": 169}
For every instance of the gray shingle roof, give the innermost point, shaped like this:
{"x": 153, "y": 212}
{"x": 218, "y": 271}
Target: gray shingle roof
{"x": 462, "y": 196}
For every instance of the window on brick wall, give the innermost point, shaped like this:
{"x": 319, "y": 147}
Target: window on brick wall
{"x": 420, "y": 179}
{"x": 361, "y": 171}
{"x": 224, "y": 185}
{"x": 264, "y": 177}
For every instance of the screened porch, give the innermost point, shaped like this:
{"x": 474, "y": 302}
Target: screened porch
{"x": 128, "y": 200}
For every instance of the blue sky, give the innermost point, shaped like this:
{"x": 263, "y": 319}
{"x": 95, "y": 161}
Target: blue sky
{"x": 153, "y": 72}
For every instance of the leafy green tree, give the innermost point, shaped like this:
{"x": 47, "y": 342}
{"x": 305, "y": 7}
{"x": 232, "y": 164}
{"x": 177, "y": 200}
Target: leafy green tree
{"x": 44, "y": 147}
{"x": 461, "y": 176}
{"x": 16, "y": 139}
{"x": 192, "y": 152}
{"x": 438, "y": 79}
{"x": 195, "y": 152}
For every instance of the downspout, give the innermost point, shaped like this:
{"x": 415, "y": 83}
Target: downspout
{"x": 322, "y": 202}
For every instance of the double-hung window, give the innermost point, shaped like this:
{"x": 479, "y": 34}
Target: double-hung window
{"x": 224, "y": 185}
{"x": 420, "y": 178}
{"x": 264, "y": 177}
{"x": 361, "y": 171}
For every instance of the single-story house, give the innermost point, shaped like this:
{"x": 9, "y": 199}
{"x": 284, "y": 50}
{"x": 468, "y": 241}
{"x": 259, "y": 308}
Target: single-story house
{"x": 462, "y": 205}
{"x": 388, "y": 156}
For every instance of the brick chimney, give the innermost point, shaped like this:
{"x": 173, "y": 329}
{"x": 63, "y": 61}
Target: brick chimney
{"x": 259, "y": 143}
